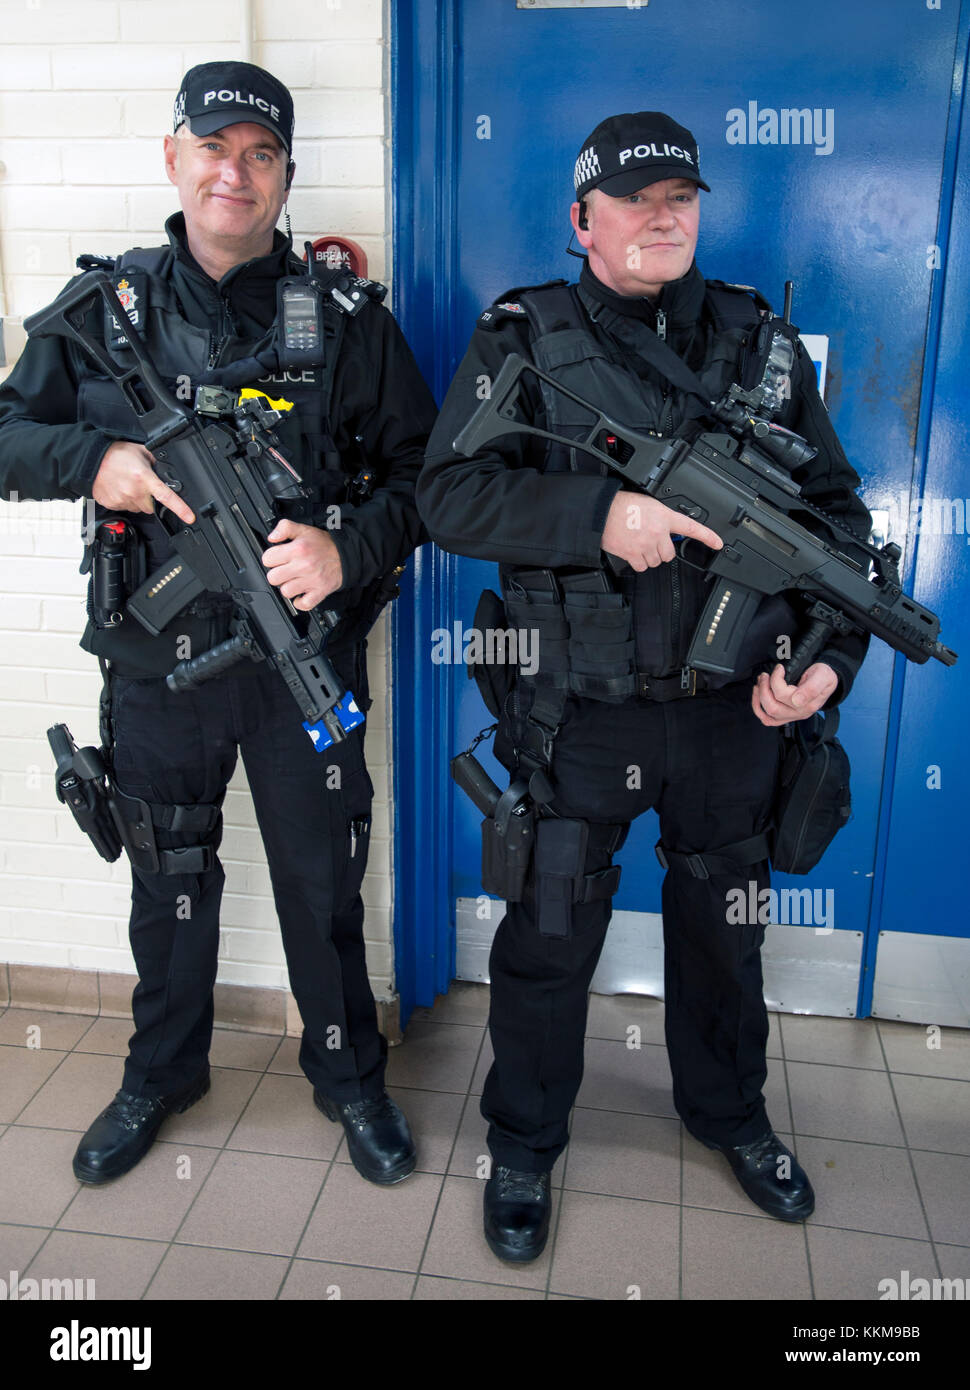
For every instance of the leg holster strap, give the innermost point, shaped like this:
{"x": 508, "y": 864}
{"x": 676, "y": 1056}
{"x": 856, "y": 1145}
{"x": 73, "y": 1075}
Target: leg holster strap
{"x": 136, "y": 821}
{"x": 726, "y": 860}
{"x": 560, "y": 861}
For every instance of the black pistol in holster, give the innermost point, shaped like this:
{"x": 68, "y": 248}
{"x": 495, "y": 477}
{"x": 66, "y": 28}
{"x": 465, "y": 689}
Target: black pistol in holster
{"x": 114, "y": 822}
{"x": 508, "y": 830}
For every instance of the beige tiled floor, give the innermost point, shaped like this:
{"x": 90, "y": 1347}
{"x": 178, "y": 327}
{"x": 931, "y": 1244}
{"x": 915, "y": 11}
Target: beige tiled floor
{"x": 250, "y": 1194}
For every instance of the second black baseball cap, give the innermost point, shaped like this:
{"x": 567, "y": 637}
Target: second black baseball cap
{"x": 628, "y": 152}
{"x": 213, "y": 95}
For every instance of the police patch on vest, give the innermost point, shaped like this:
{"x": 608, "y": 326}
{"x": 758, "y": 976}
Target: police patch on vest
{"x": 496, "y": 313}
{"x": 131, "y": 287}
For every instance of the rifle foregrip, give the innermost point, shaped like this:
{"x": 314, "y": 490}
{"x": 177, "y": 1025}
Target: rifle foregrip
{"x": 189, "y": 674}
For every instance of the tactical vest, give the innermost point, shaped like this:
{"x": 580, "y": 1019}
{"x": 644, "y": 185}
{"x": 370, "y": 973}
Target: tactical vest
{"x": 633, "y": 640}
{"x": 185, "y": 357}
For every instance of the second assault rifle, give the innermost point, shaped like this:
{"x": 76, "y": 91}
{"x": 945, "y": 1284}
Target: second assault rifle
{"x": 731, "y": 472}
{"x": 225, "y": 462}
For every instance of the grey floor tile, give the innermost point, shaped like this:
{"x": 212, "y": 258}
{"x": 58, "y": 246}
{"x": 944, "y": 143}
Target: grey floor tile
{"x": 35, "y": 1168}
{"x": 614, "y": 1015}
{"x": 76, "y": 1093}
{"x": 862, "y": 1187}
{"x": 249, "y": 1051}
{"x": 624, "y": 1155}
{"x": 455, "y": 1290}
{"x": 935, "y": 1111}
{"x": 254, "y": 1202}
{"x": 617, "y": 1077}
{"x": 432, "y": 1117}
{"x": 737, "y": 1257}
{"x": 18, "y": 1246}
{"x": 212, "y": 1119}
{"x": 320, "y": 1282}
{"x": 471, "y": 1158}
{"x": 286, "y": 1058}
{"x": 851, "y": 1265}
{"x": 147, "y": 1203}
{"x": 843, "y": 1103}
{"x": 435, "y": 1056}
{"x": 107, "y": 1035}
{"x": 710, "y": 1183}
{"x": 944, "y": 1183}
{"x": 612, "y": 1248}
{"x": 465, "y": 1002}
{"x": 457, "y": 1246}
{"x": 955, "y": 1264}
{"x": 200, "y": 1275}
{"x": 117, "y": 1268}
{"x": 357, "y": 1222}
{"x": 23, "y": 1072}
{"x": 913, "y": 1047}
{"x": 282, "y": 1119}
{"x": 844, "y": 1042}
{"x": 47, "y": 1030}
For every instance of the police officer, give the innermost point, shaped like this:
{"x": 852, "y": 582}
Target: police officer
{"x": 207, "y": 306}
{"x": 613, "y": 690}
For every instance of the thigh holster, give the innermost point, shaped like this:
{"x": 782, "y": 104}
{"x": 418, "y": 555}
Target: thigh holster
{"x": 138, "y": 820}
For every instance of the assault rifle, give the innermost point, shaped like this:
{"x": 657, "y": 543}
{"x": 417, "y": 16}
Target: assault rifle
{"x": 731, "y": 473}
{"x": 224, "y": 460}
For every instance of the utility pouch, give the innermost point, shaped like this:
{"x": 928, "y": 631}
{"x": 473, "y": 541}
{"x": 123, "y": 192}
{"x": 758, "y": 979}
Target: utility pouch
{"x": 533, "y": 603}
{"x": 560, "y": 862}
{"x": 602, "y": 652}
{"x": 813, "y": 799}
{"x": 494, "y": 679}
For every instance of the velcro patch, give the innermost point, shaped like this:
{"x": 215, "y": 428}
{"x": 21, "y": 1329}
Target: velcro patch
{"x": 131, "y": 287}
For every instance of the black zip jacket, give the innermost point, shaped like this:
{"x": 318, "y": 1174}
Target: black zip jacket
{"x": 501, "y": 505}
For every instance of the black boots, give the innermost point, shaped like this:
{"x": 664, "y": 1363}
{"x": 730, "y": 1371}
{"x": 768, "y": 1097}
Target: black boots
{"x": 125, "y": 1131}
{"x": 378, "y": 1138}
{"x": 772, "y": 1177}
{"x": 517, "y": 1209}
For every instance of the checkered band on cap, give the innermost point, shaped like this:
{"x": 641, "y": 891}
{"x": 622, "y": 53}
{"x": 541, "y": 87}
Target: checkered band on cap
{"x": 587, "y": 166}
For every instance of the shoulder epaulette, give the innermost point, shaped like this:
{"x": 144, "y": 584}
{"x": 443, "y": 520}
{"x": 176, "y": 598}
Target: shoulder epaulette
{"x": 88, "y": 261}
{"x": 763, "y": 304}
{"x": 508, "y": 307}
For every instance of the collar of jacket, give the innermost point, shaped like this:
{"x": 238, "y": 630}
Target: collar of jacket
{"x": 249, "y": 288}
{"x": 681, "y": 300}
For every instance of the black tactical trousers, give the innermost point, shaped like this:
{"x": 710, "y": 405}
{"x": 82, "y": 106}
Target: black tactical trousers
{"x": 313, "y": 811}
{"x": 708, "y": 767}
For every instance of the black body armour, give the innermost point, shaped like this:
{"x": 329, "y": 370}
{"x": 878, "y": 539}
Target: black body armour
{"x": 662, "y": 605}
{"x": 185, "y": 357}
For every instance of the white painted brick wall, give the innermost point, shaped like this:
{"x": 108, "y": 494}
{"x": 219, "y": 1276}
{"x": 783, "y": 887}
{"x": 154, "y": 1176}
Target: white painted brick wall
{"x": 86, "y": 91}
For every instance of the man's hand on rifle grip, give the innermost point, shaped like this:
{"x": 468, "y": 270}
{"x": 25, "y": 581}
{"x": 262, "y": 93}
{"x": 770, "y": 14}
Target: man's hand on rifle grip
{"x": 126, "y": 482}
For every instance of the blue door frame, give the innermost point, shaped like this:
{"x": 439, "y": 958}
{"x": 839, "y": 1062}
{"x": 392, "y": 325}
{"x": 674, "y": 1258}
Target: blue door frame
{"x": 425, "y": 61}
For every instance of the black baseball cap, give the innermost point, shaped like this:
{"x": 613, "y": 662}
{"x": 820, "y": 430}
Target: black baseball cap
{"x": 213, "y": 95}
{"x": 628, "y": 152}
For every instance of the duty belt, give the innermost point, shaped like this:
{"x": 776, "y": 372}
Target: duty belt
{"x": 677, "y": 687}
